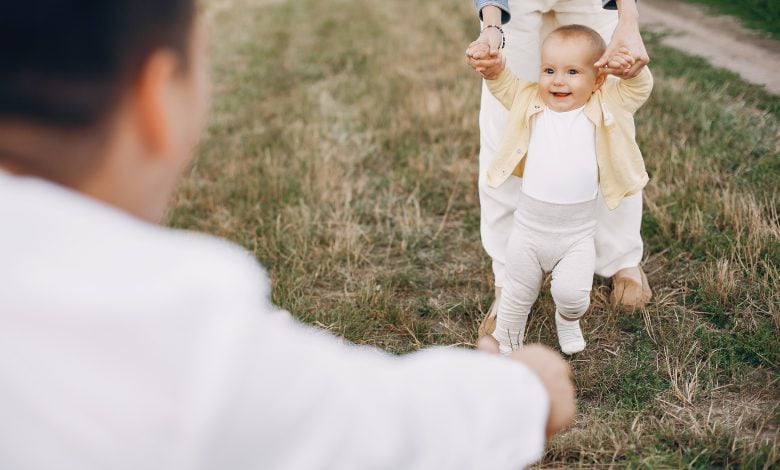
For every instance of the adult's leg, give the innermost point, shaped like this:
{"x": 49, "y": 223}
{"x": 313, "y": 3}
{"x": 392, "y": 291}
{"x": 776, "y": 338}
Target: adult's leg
{"x": 618, "y": 240}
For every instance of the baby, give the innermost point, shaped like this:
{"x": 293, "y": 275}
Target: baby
{"x": 571, "y": 138}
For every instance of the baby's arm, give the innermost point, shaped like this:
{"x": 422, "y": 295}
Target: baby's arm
{"x": 502, "y": 83}
{"x": 632, "y": 92}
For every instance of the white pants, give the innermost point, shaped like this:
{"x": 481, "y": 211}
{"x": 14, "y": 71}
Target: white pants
{"x": 618, "y": 241}
{"x": 546, "y": 238}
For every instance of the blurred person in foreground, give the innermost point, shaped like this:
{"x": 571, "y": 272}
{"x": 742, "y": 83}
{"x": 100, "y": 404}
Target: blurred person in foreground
{"x": 124, "y": 344}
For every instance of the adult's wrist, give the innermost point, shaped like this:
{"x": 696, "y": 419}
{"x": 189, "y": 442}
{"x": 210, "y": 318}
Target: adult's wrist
{"x": 627, "y": 11}
{"x": 491, "y": 15}
{"x": 497, "y": 28}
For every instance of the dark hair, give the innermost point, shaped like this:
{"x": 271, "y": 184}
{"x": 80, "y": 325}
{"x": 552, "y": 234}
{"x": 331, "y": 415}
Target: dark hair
{"x": 66, "y": 62}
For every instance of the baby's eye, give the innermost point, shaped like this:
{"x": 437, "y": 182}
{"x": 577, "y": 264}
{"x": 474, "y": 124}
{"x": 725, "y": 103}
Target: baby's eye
{"x": 571, "y": 72}
{"x": 549, "y": 71}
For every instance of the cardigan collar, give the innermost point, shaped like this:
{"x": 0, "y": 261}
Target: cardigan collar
{"x": 592, "y": 108}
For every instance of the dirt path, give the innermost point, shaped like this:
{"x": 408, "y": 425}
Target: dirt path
{"x": 720, "y": 39}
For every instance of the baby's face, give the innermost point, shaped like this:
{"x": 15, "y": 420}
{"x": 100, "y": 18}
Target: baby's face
{"x": 567, "y": 78}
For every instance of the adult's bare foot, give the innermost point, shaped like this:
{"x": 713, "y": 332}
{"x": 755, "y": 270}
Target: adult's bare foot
{"x": 630, "y": 289}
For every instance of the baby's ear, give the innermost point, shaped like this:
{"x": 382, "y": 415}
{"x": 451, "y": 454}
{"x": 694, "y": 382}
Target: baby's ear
{"x": 601, "y": 77}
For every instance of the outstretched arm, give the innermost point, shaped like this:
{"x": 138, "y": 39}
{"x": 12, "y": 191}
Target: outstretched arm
{"x": 295, "y": 397}
{"x": 311, "y": 401}
{"x": 627, "y": 36}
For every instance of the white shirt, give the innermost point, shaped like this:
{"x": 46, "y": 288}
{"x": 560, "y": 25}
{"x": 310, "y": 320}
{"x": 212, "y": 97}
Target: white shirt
{"x": 125, "y": 345}
{"x": 561, "y": 163}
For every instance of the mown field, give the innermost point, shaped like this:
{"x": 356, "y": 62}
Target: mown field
{"x": 342, "y": 151}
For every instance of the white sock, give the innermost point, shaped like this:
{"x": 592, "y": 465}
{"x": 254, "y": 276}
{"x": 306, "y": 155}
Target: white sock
{"x": 510, "y": 334}
{"x": 569, "y": 334}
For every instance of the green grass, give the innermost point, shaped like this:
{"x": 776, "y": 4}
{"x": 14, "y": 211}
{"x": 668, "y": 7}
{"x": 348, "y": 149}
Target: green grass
{"x": 342, "y": 152}
{"x": 757, "y": 14}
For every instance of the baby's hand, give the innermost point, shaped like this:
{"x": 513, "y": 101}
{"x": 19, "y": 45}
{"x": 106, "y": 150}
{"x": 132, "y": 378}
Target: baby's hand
{"x": 620, "y": 62}
{"x": 488, "y": 64}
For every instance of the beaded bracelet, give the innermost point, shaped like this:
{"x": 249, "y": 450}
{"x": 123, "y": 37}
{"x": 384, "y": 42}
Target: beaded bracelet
{"x": 503, "y": 37}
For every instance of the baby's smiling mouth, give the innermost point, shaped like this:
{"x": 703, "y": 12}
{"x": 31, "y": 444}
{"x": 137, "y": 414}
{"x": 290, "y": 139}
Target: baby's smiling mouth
{"x": 559, "y": 94}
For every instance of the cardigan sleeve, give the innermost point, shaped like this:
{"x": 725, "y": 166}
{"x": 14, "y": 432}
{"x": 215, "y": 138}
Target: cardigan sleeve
{"x": 505, "y": 87}
{"x": 503, "y": 5}
{"x": 633, "y": 92}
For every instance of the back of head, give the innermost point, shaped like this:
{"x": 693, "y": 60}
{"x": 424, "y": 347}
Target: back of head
{"x": 582, "y": 33}
{"x": 64, "y": 65}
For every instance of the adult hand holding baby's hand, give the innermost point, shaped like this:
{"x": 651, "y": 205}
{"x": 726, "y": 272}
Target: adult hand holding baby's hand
{"x": 626, "y": 36}
{"x": 484, "y": 59}
{"x": 490, "y": 36}
{"x": 620, "y": 63}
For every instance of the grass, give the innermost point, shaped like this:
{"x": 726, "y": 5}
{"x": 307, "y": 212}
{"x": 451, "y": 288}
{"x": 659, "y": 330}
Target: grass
{"x": 758, "y": 14}
{"x": 342, "y": 152}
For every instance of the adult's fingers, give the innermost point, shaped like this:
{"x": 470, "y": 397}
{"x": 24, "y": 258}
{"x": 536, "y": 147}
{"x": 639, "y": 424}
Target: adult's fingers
{"x": 634, "y": 70}
{"x": 487, "y": 344}
{"x": 620, "y": 62}
{"x": 614, "y": 71}
{"x": 637, "y": 67}
{"x": 611, "y": 51}
{"x": 626, "y": 56}
{"x": 604, "y": 58}
{"x": 483, "y": 64}
{"x": 472, "y": 49}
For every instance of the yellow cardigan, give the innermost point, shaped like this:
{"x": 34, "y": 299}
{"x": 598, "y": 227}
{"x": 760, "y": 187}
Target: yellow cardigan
{"x": 611, "y": 109}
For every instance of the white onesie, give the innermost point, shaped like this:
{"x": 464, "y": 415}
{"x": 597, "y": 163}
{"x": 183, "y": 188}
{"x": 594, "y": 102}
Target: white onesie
{"x": 561, "y": 163}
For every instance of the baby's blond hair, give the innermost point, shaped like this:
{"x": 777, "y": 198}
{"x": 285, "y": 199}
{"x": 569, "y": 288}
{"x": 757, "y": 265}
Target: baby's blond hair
{"x": 578, "y": 31}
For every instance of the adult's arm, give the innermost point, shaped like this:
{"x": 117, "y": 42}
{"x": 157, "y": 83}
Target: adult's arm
{"x": 300, "y": 398}
{"x": 501, "y": 5}
{"x": 284, "y": 395}
{"x": 490, "y": 13}
{"x": 627, "y": 36}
